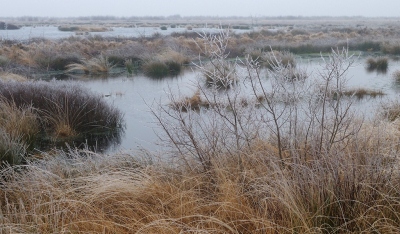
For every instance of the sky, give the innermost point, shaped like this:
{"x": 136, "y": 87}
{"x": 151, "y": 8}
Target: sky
{"x": 73, "y": 8}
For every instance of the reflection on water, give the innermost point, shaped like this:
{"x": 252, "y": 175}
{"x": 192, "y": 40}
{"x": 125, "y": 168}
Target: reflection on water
{"x": 133, "y": 95}
{"x": 101, "y": 143}
{"x": 379, "y": 71}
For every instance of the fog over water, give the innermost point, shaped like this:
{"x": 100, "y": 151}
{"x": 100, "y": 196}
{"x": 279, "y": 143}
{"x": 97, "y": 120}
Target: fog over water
{"x": 63, "y": 8}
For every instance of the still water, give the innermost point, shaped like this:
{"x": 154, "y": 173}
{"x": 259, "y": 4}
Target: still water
{"x": 134, "y": 96}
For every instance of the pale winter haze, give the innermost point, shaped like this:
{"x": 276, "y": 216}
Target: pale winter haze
{"x": 66, "y": 8}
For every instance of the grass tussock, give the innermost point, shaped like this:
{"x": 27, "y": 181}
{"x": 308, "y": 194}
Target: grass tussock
{"x": 220, "y": 73}
{"x": 167, "y": 63}
{"x": 194, "y": 102}
{"x": 18, "y": 130}
{"x": 95, "y": 65}
{"x": 7, "y": 76}
{"x": 379, "y": 64}
{"x": 83, "y": 29}
{"x": 361, "y": 93}
{"x": 36, "y": 111}
{"x": 274, "y": 58}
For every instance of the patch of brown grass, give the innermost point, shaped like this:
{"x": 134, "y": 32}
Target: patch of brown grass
{"x": 361, "y": 93}
{"x": 81, "y": 191}
{"x": 194, "y": 102}
{"x": 94, "y": 65}
{"x": 18, "y": 129}
{"x": 7, "y": 76}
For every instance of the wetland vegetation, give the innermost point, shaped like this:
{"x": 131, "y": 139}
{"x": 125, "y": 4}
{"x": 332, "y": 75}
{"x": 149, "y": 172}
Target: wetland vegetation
{"x": 259, "y": 145}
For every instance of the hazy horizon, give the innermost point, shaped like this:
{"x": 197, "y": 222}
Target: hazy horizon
{"x": 221, "y": 8}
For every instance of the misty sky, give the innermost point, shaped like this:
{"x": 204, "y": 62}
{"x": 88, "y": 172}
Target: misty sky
{"x": 65, "y": 8}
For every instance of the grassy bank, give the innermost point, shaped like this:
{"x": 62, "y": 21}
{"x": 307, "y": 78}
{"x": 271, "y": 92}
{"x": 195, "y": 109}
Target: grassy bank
{"x": 46, "y": 55}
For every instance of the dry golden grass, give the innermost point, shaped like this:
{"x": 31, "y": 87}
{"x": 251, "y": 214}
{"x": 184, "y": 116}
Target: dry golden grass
{"x": 96, "y": 65}
{"x": 361, "y": 93}
{"x": 18, "y": 129}
{"x": 7, "y": 76}
{"x": 18, "y": 121}
{"x": 343, "y": 191}
{"x": 190, "y": 103}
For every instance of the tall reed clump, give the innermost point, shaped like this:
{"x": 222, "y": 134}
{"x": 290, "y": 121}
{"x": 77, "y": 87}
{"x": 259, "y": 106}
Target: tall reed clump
{"x": 64, "y": 109}
{"x": 96, "y": 65}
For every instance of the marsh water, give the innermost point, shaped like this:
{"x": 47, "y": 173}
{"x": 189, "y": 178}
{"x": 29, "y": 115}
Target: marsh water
{"x": 52, "y": 32}
{"x": 134, "y": 95}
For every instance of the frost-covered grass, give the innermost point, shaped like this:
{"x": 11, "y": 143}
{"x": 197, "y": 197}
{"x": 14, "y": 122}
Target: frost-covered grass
{"x": 32, "y": 111}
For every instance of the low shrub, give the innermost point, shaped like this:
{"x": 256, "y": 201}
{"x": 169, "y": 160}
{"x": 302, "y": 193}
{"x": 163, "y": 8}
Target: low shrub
{"x": 163, "y": 28}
